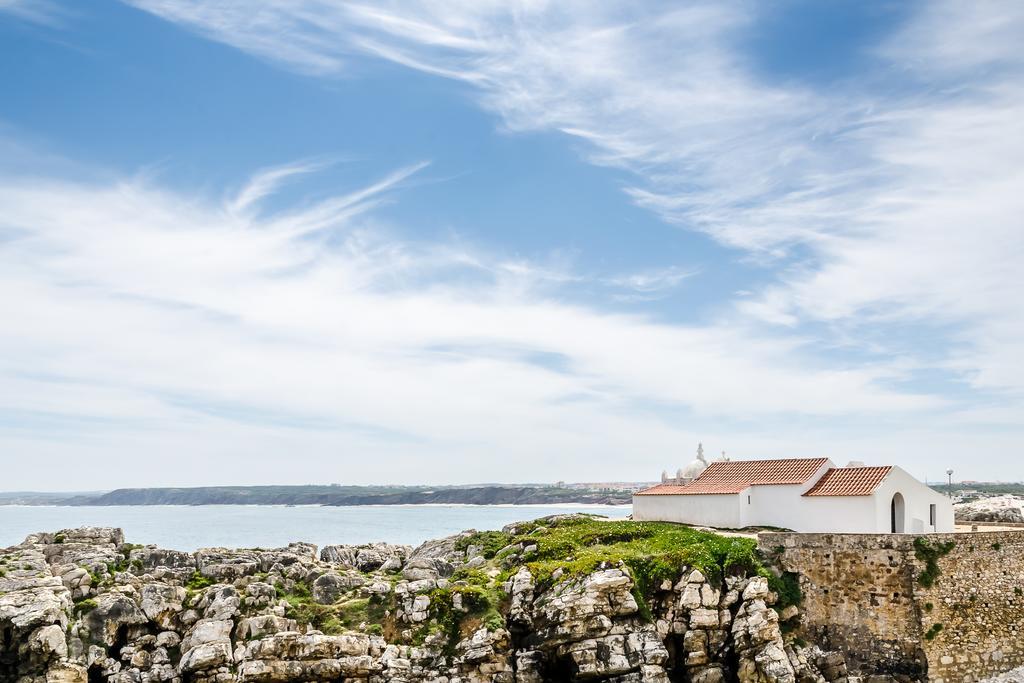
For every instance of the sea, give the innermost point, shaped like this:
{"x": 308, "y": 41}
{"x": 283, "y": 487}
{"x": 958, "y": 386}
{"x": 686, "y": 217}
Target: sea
{"x": 182, "y": 527}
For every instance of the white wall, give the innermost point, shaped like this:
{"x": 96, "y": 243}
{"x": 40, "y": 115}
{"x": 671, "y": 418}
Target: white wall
{"x": 787, "y": 507}
{"x": 720, "y": 510}
{"x": 916, "y": 499}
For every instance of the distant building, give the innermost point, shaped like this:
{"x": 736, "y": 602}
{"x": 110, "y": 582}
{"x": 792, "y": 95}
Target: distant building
{"x": 802, "y": 494}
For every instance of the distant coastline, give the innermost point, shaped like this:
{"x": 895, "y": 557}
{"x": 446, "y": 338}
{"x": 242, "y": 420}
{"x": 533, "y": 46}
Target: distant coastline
{"x": 326, "y": 495}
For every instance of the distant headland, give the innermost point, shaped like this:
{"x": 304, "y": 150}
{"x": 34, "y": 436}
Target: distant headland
{"x": 338, "y": 495}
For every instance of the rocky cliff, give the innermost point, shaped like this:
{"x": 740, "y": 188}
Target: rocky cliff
{"x": 559, "y": 599}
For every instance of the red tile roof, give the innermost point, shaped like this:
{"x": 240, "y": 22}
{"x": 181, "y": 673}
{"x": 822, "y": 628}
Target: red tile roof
{"x": 849, "y": 481}
{"x": 733, "y": 476}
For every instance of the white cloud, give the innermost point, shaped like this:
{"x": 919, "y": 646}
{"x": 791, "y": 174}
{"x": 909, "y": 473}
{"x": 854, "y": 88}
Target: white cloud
{"x": 139, "y": 318}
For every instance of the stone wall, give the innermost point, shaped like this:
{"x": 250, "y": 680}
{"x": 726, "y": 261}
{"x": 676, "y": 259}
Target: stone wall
{"x": 863, "y": 594}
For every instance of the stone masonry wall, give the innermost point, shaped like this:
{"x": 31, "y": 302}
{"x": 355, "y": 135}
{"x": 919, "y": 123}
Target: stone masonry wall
{"x": 862, "y": 593}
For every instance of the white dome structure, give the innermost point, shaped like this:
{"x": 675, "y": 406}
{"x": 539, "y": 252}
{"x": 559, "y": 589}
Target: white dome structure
{"x": 695, "y": 468}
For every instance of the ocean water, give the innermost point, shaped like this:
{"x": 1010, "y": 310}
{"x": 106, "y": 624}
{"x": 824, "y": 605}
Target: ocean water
{"x": 268, "y": 526}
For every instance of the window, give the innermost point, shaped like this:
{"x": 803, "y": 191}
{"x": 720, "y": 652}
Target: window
{"x": 748, "y": 500}
{"x": 931, "y": 514}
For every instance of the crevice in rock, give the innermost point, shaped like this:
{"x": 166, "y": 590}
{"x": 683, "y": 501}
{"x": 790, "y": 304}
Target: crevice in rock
{"x": 560, "y": 669}
{"x": 8, "y": 653}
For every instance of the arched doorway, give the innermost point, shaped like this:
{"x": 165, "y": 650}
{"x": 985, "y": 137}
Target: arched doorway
{"x": 896, "y": 510}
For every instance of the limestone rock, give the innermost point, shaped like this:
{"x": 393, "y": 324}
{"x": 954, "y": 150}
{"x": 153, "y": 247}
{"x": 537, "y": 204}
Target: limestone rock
{"x": 112, "y": 614}
{"x": 259, "y": 619}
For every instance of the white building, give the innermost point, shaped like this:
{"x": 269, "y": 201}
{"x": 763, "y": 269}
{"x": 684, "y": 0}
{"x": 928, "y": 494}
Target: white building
{"x": 804, "y": 494}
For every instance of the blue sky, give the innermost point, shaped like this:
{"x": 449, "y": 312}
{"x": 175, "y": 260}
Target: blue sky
{"x": 506, "y": 241}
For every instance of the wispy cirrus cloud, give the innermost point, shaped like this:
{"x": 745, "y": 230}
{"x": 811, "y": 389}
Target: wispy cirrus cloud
{"x": 894, "y": 194}
{"x": 38, "y": 11}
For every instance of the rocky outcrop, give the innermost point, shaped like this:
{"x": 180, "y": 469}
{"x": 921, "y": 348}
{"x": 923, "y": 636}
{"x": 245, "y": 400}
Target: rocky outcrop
{"x": 82, "y": 605}
{"x": 1005, "y": 509}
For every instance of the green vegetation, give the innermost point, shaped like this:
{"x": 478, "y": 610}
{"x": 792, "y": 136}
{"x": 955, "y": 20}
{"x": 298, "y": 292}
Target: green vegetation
{"x": 653, "y": 551}
{"x": 928, "y": 607}
{"x": 930, "y": 554}
{"x": 304, "y": 610}
{"x": 996, "y": 546}
{"x": 555, "y": 550}
{"x": 933, "y": 631}
{"x": 115, "y": 567}
{"x": 1016, "y": 489}
{"x": 490, "y": 541}
{"x": 787, "y": 587}
{"x": 336, "y": 618}
{"x": 95, "y": 578}
{"x": 352, "y": 613}
{"x": 198, "y": 582}
{"x": 59, "y": 538}
{"x": 85, "y": 606}
{"x": 479, "y": 606}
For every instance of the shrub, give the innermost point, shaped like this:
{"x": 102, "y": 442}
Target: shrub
{"x": 930, "y": 554}
{"x": 933, "y": 631}
{"x": 85, "y": 606}
{"x": 198, "y": 582}
{"x": 787, "y": 587}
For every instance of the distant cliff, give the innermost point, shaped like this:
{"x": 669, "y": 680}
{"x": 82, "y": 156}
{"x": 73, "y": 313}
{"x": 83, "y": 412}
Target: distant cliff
{"x": 351, "y": 495}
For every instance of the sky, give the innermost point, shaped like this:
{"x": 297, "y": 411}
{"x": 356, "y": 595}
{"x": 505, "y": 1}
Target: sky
{"x": 308, "y": 241}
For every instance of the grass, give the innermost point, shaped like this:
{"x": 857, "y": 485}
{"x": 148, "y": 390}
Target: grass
{"x": 336, "y": 618}
{"x": 653, "y": 551}
{"x": 490, "y": 541}
{"x": 304, "y": 610}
